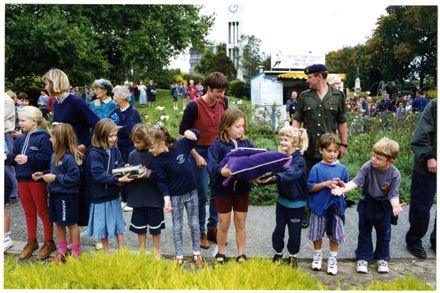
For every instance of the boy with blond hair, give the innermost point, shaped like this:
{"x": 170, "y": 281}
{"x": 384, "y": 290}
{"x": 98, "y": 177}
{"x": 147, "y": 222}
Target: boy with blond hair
{"x": 380, "y": 181}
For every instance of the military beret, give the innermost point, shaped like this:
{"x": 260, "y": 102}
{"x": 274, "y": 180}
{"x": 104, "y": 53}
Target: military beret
{"x": 315, "y": 68}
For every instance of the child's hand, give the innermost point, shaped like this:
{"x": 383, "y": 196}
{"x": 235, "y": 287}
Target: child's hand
{"x": 49, "y": 178}
{"x": 37, "y": 175}
{"x": 398, "y": 209}
{"x": 21, "y": 159}
{"x": 331, "y": 183}
{"x": 142, "y": 175}
{"x": 339, "y": 182}
{"x": 225, "y": 171}
{"x": 125, "y": 178}
{"x": 338, "y": 191}
{"x": 190, "y": 135}
{"x": 167, "y": 204}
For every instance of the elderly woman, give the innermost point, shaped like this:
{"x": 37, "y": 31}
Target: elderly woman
{"x": 128, "y": 117}
{"x": 335, "y": 81}
{"x": 103, "y": 105}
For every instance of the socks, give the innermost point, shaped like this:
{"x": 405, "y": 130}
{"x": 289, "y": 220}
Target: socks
{"x": 62, "y": 246}
{"x": 333, "y": 254}
{"x": 76, "y": 249}
{"x": 318, "y": 251}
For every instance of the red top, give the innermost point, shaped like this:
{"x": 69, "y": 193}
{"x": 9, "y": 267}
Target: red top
{"x": 208, "y": 120}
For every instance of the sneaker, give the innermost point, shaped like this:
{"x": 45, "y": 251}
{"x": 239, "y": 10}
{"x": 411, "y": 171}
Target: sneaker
{"x": 128, "y": 209}
{"x": 382, "y": 267}
{"x": 46, "y": 250}
{"x": 212, "y": 235}
{"x": 98, "y": 245}
{"x": 204, "y": 243}
{"x": 241, "y": 258}
{"x": 198, "y": 261}
{"x": 291, "y": 261}
{"x": 417, "y": 250}
{"x": 8, "y": 243}
{"x": 362, "y": 266}
{"x": 332, "y": 266}
{"x": 220, "y": 258}
{"x": 28, "y": 249}
{"x": 317, "y": 262}
{"x": 179, "y": 262}
{"x": 123, "y": 205}
{"x": 277, "y": 257}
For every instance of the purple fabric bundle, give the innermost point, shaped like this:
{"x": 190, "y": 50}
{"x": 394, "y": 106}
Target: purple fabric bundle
{"x": 250, "y": 163}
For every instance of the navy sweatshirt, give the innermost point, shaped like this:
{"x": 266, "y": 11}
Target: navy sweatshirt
{"x": 127, "y": 119}
{"x": 292, "y": 183}
{"x": 67, "y": 178}
{"x": 76, "y": 112}
{"x": 173, "y": 169}
{"x": 37, "y": 147}
{"x": 143, "y": 192}
{"x": 216, "y": 153}
{"x": 101, "y": 183}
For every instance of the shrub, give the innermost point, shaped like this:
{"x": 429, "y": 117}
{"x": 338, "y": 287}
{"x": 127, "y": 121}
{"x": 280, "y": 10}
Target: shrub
{"x": 240, "y": 89}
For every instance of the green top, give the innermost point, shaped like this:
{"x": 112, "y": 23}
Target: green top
{"x": 320, "y": 116}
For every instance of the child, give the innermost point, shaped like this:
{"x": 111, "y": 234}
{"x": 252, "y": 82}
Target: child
{"x": 177, "y": 185}
{"x": 63, "y": 185}
{"x": 105, "y": 219}
{"x": 292, "y": 197}
{"x": 31, "y": 153}
{"x": 326, "y": 210}
{"x": 380, "y": 182}
{"x": 235, "y": 196}
{"x": 143, "y": 194}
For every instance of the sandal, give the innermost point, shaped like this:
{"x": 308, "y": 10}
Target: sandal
{"x": 220, "y": 258}
{"x": 241, "y": 258}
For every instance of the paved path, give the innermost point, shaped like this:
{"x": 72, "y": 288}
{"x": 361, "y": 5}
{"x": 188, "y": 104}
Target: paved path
{"x": 260, "y": 224}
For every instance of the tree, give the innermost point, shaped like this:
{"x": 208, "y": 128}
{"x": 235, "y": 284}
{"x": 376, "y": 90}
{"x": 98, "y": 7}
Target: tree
{"x": 93, "y": 41}
{"x": 250, "y": 57}
{"x": 404, "y": 44}
{"x": 218, "y": 61}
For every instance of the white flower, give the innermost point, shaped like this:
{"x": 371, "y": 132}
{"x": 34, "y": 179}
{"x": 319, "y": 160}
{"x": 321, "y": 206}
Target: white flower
{"x": 146, "y": 117}
{"x": 164, "y": 117}
{"x": 160, "y": 108}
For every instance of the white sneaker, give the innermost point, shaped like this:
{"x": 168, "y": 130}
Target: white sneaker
{"x": 332, "y": 266}
{"x": 123, "y": 205}
{"x": 99, "y": 245}
{"x": 8, "y": 243}
{"x": 317, "y": 262}
{"x": 382, "y": 267}
{"x": 362, "y": 266}
{"x": 127, "y": 209}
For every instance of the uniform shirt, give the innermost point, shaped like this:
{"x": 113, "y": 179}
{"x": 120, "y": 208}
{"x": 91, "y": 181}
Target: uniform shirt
{"x": 380, "y": 185}
{"x": 320, "y": 116}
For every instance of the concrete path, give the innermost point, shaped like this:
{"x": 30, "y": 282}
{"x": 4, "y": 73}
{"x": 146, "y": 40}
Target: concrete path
{"x": 260, "y": 224}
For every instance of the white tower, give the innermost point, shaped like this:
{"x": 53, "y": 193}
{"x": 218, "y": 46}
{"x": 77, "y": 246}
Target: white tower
{"x": 235, "y": 29}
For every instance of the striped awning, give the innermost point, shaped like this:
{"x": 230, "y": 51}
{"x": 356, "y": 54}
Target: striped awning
{"x": 301, "y": 75}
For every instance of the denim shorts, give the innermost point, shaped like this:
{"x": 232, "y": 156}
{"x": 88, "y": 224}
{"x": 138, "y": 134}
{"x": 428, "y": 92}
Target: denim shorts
{"x": 106, "y": 220}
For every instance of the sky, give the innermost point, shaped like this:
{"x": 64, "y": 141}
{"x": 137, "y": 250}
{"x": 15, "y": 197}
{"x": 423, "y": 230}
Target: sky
{"x": 315, "y": 26}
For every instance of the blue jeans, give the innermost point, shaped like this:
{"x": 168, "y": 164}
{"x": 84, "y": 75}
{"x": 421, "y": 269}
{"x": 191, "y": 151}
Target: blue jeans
{"x": 201, "y": 177}
{"x": 377, "y": 214}
{"x": 423, "y": 189}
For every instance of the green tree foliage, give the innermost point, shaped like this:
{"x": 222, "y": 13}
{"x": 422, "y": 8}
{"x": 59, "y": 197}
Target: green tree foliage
{"x": 250, "y": 57}
{"x": 92, "y": 41}
{"x": 218, "y": 61}
{"x": 348, "y": 60}
{"x": 403, "y": 46}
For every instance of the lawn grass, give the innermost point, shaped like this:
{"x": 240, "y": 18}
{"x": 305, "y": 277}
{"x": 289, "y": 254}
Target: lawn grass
{"x": 126, "y": 270}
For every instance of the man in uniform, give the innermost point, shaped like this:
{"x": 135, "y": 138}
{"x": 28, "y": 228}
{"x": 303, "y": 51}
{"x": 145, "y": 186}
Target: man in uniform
{"x": 320, "y": 109}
